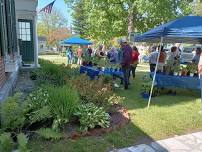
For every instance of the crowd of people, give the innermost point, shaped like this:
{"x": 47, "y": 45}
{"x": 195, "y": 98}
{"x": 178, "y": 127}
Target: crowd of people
{"x": 128, "y": 57}
{"x": 169, "y": 59}
{"x": 78, "y": 55}
{"x": 125, "y": 56}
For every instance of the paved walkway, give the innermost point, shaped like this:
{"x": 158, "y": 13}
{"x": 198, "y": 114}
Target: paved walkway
{"x": 186, "y": 143}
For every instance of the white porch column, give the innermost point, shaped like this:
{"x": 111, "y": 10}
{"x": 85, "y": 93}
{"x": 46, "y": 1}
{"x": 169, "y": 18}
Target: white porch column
{"x": 35, "y": 41}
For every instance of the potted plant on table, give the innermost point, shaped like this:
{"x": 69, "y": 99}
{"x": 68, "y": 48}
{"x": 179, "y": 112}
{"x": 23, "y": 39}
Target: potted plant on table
{"x": 192, "y": 68}
{"x": 176, "y": 70}
{"x": 184, "y": 71}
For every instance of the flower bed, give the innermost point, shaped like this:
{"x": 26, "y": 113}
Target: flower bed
{"x": 62, "y": 98}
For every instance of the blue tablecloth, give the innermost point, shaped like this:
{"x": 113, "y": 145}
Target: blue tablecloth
{"x": 177, "y": 81}
{"x": 93, "y": 72}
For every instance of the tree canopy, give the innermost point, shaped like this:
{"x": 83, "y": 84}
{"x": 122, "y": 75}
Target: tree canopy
{"x": 107, "y": 19}
{"x": 53, "y": 26}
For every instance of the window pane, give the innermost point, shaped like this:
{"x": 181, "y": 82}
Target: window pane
{"x": 20, "y": 25}
{"x": 23, "y": 24}
{"x": 24, "y": 38}
{"x": 28, "y": 38}
{"x": 28, "y": 31}
{"x": 27, "y": 25}
{"x": 23, "y": 31}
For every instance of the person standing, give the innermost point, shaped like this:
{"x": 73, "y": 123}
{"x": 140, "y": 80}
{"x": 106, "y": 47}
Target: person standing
{"x": 113, "y": 55}
{"x": 153, "y": 59}
{"x": 126, "y": 61}
{"x": 70, "y": 55}
{"x": 162, "y": 59}
{"x": 135, "y": 60}
{"x": 90, "y": 51}
{"x": 197, "y": 55}
{"x": 200, "y": 65}
{"x": 80, "y": 55}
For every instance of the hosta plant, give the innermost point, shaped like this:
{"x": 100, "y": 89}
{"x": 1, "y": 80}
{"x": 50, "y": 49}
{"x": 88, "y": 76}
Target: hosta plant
{"x": 91, "y": 116}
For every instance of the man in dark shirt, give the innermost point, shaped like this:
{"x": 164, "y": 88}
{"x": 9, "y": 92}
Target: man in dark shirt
{"x": 126, "y": 61}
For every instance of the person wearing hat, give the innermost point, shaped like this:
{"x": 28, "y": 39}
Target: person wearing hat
{"x": 126, "y": 61}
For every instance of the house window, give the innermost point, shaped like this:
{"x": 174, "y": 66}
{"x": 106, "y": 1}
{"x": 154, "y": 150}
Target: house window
{"x": 24, "y": 31}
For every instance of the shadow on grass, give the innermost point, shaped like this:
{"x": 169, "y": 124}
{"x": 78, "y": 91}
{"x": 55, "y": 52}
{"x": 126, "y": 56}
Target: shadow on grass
{"x": 128, "y": 136}
{"x": 133, "y": 99}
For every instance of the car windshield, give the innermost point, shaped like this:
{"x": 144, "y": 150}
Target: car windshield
{"x": 187, "y": 50}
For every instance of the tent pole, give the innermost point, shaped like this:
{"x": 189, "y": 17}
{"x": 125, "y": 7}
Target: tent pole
{"x": 154, "y": 77}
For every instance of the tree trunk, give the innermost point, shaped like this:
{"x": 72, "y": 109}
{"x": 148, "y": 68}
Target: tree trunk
{"x": 130, "y": 25}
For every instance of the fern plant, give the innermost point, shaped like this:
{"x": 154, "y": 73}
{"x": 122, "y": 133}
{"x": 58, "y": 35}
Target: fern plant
{"x": 48, "y": 134}
{"x": 12, "y": 116}
{"x": 6, "y": 143}
{"x": 22, "y": 143}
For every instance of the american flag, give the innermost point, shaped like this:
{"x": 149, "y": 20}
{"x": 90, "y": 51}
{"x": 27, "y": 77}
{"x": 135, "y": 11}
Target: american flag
{"x": 48, "y": 8}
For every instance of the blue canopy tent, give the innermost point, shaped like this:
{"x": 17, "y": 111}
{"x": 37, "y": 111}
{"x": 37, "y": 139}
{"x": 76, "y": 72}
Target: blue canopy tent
{"x": 76, "y": 41}
{"x": 187, "y": 29}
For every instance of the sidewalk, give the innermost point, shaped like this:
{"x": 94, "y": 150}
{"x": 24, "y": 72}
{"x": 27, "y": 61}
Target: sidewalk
{"x": 186, "y": 143}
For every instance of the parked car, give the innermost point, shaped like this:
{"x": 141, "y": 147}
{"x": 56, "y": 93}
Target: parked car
{"x": 186, "y": 55}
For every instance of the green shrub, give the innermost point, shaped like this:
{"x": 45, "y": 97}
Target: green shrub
{"x": 36, "y": 106}
{"x": 146, "y": 86}
{"x": 51, "y": 73}
{"x": 94, "y": 91}
{"x": 12, "y": 116}
{"x": 63, "y": 102}
{"x": 22, "y": 143}
{"x": 6, "y": 143}
{"x": 91, "y": 116}
{"x": 48, "y": 133}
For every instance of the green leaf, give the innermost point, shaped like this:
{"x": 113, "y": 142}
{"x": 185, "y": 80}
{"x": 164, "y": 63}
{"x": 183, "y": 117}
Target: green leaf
{"x": 48, "y": 133}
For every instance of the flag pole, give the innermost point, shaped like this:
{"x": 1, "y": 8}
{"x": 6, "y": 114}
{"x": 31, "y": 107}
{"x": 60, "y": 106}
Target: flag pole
{"x": 154, "y": 77}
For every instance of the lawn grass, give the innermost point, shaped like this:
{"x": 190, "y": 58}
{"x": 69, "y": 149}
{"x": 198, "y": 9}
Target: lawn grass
{"x": 167, "y": 116}
{"x": 57, "y": 59}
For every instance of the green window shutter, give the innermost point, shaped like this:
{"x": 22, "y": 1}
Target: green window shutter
{"x": 3, "y": 28}
{"x": 11, "y": 25}
{"x": 14, "y": 29}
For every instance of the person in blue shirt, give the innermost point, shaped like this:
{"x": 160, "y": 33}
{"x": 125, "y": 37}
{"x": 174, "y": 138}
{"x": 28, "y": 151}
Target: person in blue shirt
{"x": 70, "y": 55}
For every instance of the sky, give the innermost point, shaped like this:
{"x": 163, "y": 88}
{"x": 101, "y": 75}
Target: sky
{"x": 58, "y": 4}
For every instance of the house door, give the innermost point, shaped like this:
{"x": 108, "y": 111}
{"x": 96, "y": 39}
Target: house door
{"x": 26, "y": 43}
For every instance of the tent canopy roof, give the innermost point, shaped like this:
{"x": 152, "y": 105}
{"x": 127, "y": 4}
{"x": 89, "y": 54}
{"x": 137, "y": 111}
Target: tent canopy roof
{"x": 186, "y": 29}
{"x": 76, "y": 41}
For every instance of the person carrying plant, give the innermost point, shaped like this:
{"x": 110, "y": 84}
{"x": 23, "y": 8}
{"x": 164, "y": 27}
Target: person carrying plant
{"x": 135, "y": 60}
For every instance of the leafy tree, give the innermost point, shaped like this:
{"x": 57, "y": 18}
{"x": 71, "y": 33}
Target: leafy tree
{"x": 197, "y": 7}
{"x": 79, "y": 18}
{"x": 115, "y": 18}
{"x": 58, "y": 35}
{"x": 51, "y": 23}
